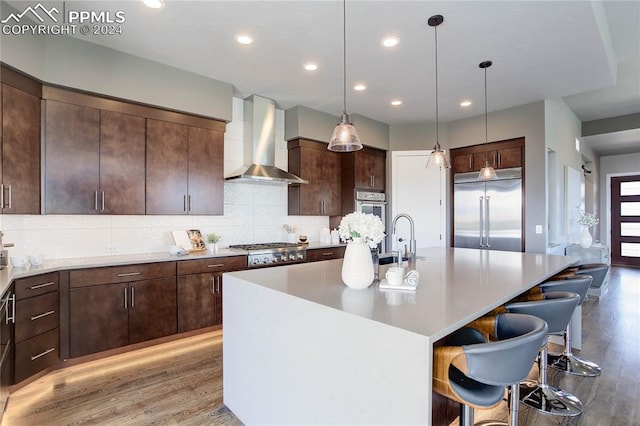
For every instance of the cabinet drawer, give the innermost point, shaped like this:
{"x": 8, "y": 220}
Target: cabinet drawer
{"x": 36, "y": 315}
{"x": 315, "y": 255}
{"x": 212, "y": 264}
{"x": 121, "y": 274}
{"x": 36, "y": 354}
{"x": 35, "y": 286}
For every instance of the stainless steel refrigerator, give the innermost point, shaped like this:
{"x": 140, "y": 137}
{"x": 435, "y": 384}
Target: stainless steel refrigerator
{"x": 488, "y": 214}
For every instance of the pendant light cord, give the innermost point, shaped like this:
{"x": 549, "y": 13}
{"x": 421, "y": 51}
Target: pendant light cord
{"x": 435, "y": 29}
{"x": 344, "y": 56}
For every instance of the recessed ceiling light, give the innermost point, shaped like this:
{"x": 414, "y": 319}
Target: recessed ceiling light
{"x": 465, "y": 104}
{"x": 359, "y": 87}
{"x": 396, "y": 102}
{"x": 390, "y": 42}
{"x": 244, "y": 39}
{"x": 154, "y": 4}
{"x": 310, "y": 66}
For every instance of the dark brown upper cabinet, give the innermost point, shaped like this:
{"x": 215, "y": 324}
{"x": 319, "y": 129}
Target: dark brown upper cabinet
{"x": 94, "y": 161}
{"x": 20, "y": 138}
{"x": 184, "y": 169}
{"x": 322, "y": 168}
{"x": 365, "y": 169}
{"x": 500, "y": 155}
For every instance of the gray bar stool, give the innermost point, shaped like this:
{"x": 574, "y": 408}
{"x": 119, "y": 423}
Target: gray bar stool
{"x": 475, "y": 372}
{"x": 556, "y": 309}
{"x": 567, "y": 362}
{"x": 597, "y": 271}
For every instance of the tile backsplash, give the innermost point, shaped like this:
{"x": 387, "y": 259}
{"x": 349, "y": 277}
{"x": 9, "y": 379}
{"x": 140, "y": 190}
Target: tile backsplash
{"x": 252, "y": 213}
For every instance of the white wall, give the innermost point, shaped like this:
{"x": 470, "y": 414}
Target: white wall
{"x": 614, "y": 165}
{"x": 252, "y": 213}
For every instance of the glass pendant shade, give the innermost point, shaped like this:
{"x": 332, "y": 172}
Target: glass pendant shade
{"x": 487, "y": 172}
{"x": 438, "y": 158}
{"x": 345, "y": 137}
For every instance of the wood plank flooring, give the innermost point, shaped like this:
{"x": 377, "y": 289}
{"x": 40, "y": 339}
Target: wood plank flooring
{"x": 181, "y": 382}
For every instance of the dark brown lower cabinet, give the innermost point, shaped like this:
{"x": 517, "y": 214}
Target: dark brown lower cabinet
{"x": 109, "y": 316}
{"x": 200, "y": 290}
{"x": 199, "y": 301}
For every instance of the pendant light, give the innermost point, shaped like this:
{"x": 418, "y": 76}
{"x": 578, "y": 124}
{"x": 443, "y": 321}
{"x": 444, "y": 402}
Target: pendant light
{"x": 345, "y": 136}
{"x": 438, "y": 158}
{"x": 487, "y": 172}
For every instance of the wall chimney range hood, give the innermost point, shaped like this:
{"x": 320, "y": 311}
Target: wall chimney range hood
{"x": 260, "y": 146}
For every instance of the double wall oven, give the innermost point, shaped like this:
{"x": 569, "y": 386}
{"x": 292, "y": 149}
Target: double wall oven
{"x": 372, "y": 203}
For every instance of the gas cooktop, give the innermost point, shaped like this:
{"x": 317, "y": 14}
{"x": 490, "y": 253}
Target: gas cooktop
{"x": 265, "y": 246}
{"x": 272, "y": 254}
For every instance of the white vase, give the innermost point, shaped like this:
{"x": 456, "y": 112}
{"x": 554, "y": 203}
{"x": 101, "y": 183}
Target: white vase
{"x": 212, "y": 247}
{"x": 357, "y": 265}
{"x": 585, "y": 238}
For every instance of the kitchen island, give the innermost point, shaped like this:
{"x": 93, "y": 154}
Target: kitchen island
{"x": 302, "y": 348}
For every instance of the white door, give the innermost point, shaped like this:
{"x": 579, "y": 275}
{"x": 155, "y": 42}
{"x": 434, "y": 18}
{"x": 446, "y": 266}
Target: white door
{"x": 420, "y": 193}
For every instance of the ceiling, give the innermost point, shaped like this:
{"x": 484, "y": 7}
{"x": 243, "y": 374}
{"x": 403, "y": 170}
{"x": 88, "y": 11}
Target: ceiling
{"x": 585, "y": 52}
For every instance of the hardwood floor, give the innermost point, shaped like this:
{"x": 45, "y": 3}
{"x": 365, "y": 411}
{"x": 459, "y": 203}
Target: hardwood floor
{"x": 181, "y": 382}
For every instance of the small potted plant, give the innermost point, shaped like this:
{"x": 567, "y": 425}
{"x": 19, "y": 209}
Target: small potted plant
{"x": 212, "y": 242}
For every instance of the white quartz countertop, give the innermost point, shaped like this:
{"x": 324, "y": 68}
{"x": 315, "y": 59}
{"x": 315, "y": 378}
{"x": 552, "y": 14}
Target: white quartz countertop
{"x": 9, "y": 273}
{"x": 456, "y": 286}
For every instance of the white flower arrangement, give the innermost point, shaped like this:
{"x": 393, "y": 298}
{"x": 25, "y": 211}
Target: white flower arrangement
{"x": 366, "y": 226}
{"x": 587, "y": 219}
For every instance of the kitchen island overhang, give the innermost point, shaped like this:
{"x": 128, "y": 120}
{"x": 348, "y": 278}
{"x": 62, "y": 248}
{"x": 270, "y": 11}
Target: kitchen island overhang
{"x": 300, "y": 347}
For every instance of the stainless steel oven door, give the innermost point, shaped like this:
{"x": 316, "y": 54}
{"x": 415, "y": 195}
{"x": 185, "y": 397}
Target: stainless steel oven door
{"x": 376, "y": 208}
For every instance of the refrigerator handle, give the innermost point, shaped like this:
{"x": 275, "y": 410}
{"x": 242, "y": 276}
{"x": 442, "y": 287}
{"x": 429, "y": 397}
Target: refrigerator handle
{"x": 488, "y": 219}
{"x": 481, "y": 222}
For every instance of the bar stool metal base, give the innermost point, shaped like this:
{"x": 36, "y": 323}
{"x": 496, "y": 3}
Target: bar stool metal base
{"x": 549, "y": 400}
{"x": 571, "y": 364}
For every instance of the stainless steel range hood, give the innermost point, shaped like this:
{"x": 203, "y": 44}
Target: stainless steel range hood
{"x": 260, "y": 146}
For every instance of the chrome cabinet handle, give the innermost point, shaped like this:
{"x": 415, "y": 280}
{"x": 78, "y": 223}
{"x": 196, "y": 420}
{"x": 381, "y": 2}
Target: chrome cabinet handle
{"x": 213, "y": 285}
{"x": 133, "y": 297}
{"x": 10, "y": 196}
{"x": 37, "y": 286}
{"x": 189, "y": 203}
{"x": 216, "y": 265}
{"x": 36, "y": 317}
{"x": 102, "y": 200}
{"x": 2, "y": 196}
{"x": 48, "y": 351}
{"x": 499, "y": 160}
{"x": 470, "y": 162}
{"x": 328, "y": 254}
{"x": 95, "y": 200}
{"x": 129, "y": 274}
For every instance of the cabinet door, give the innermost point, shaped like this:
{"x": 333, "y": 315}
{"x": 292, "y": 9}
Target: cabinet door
{"x": 122, "y": 163}
{"x": 370, "y": 169}
{"x": 206, "y": 172}
{"x": 510, "y": 157}
{"x": 152, "y": 309}
{"x": 72, "y": 132}
{"x": 331, "y": 184}
{"x": 20, "y": 151}
{"x": 196, "y": 298}
{"x": 480, "y": 158}
{"x": 315, "y": 255}
{"x": 98, "y": 318}
{"x": 311, "y": 202}
{"x": 167, "y": 167}
{"x": 462, "y": 163}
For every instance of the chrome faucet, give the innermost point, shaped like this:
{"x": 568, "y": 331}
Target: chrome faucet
{"x": 411, "y": 254}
